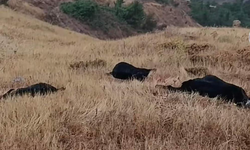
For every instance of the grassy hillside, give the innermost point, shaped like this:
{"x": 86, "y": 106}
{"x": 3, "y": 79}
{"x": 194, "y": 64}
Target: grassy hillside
{"x": 99, "y": 112}
{"x": 102, "y": 19}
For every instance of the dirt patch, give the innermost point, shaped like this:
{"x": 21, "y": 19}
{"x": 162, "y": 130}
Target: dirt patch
{"x": 88, "y": 64}
{"x": 197, "y": 71}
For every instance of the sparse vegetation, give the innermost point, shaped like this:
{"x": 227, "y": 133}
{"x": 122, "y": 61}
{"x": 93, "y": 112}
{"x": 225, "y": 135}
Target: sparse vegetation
{"x": 88, "y": 64}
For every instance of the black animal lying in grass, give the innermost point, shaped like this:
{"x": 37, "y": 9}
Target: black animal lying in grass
{"x": 212, "y": 87}
{"x": 33, "y": 90}
{"x": 127, "y": 71}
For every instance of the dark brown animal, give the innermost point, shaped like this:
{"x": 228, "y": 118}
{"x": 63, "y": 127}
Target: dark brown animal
{"x": 126, "y": 71}
{"x": 212, "y": 87}
{"x": 33, "y": 90}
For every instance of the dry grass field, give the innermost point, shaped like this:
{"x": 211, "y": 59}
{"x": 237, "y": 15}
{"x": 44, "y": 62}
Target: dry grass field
{"x": 97, "y": 111}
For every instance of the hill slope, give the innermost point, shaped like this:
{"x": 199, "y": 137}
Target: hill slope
{"x": 49, "y": 11}
{"x": 99, "y": 112}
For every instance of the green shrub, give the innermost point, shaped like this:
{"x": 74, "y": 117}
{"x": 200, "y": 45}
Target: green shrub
{"x": 222, "y": 15}
{"x": 80, "y": 9}
{"x": 102, "y": 16}
{"x": 134, "y": 14}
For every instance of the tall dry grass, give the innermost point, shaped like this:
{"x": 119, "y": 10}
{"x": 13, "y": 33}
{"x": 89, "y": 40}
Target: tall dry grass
{"x": 99, "y": 112}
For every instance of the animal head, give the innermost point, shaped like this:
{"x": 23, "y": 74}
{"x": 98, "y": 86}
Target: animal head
{"x": 6, "y": 94}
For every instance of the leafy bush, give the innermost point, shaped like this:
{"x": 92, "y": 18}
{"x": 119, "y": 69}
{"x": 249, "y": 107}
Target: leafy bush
{"x": 222, "y": 15}
{"x": 92, "y": 13}
{"x": 134, "y": 14}
{"x": 80, "y": 9}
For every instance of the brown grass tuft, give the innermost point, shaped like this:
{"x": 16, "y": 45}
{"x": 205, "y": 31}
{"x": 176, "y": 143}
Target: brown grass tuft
{"x": 88, "y": 64}
{"x": 198, "y": 48}
{"x": 197, "y": 71}
{"x": 171, "y": 45}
